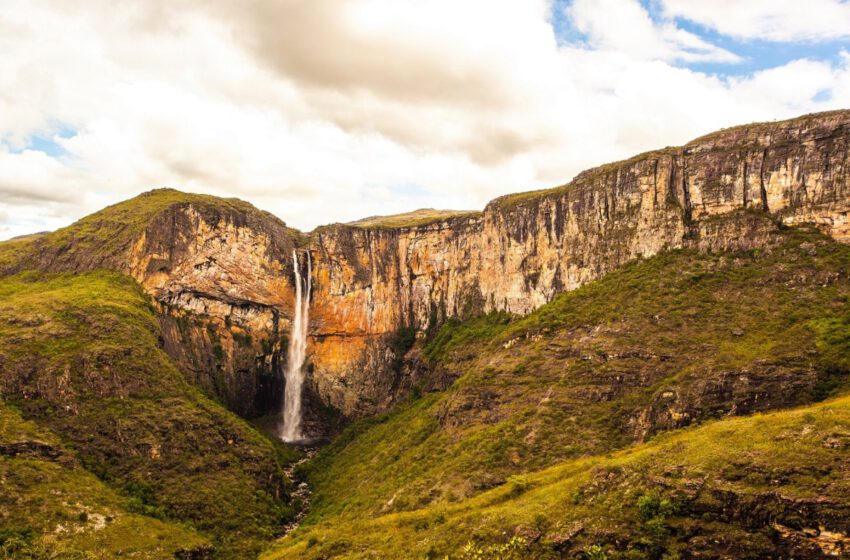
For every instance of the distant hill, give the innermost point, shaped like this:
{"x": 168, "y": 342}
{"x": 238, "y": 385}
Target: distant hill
{"x": 421, "y": 217}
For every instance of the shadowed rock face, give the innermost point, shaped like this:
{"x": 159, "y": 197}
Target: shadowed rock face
{"x": 223, "y": 278}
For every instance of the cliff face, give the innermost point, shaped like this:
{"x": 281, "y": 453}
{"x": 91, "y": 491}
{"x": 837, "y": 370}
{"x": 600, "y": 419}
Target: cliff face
{"x": 221, "y": 271}
{"x": 525, "y": 248}
{"x": 222, "y": 281}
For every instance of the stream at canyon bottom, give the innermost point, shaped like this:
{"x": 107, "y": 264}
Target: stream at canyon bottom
{"x": 302, "y": 494}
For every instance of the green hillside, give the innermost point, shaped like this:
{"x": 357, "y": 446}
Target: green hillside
{"x": 663, "y": 344}
{"x": 688, "y": 405}
{"x": 764, "y": 486}
{"x": 80, "y": 356}
{"x": 53, "y": 508}
{"x": 421, "y": 217}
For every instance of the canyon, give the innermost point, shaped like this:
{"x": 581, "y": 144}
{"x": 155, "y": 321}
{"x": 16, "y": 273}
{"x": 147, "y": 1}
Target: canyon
{"x": 222, "y": 275}
{"x": 634, "y": 362}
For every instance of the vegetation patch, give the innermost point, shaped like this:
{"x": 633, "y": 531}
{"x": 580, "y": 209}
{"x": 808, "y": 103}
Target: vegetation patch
{"x": 673, "y": 497}
{"x": 53, "y": 508}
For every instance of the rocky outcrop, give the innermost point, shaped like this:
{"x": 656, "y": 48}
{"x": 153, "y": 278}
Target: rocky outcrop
{"x": 766, "y": 385}
{"x": 222, "y": 282}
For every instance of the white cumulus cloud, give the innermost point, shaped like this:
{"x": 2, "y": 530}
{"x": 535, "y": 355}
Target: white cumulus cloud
{"x": 624, "y": 26}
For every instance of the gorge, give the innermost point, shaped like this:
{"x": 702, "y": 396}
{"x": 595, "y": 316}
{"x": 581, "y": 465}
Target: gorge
{"x": 372, "y": 281}
{"x": 233, "y": 267}
{"x": 465, "y": 366}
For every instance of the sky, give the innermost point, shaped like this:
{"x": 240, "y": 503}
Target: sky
{"x": 325, "y": 111}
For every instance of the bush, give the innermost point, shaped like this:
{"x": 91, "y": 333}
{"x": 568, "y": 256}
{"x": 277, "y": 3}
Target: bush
{"x": 515, "y": 549}
{"x": 455, "y": 334}
{"x": 651, "y": 506}
{"x": 654, "y": 510}
{"x": 401, "y": 342}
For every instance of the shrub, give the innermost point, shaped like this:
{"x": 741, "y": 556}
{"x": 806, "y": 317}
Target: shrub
{"x": 514, "y": 549}
{"x": 401, "y": 342}
{"x": 654, "y": 510}
{"x": 651, "y": 506}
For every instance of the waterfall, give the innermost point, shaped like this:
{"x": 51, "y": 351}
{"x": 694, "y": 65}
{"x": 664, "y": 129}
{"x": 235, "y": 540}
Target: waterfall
{"x": 296, "y": 353}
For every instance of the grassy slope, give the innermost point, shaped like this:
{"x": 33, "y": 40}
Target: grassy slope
{"x": 53, "y": 507}
{"x": 79, "y": 355}
{"x": 633, "y": 503}
{"x": 755, "y": 330}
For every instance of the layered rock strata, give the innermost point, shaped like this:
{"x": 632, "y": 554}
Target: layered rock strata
{"x": 525, "y": 248}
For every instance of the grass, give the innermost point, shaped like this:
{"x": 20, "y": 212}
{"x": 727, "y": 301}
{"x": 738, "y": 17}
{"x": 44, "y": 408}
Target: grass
{"x": 456, "y": 334}
{"x": 641, "y": 502}
{"x": 663, "y": 344}
{"x": 79, "y": 356}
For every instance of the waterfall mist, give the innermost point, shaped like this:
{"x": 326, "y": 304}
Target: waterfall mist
{"x": 296, "y": 354}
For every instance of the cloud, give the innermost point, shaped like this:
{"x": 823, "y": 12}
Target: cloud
{"x": 421, "y": 51}
{"x": 624, "y": 26}
{"x": 319, "y": 110}
{"x": 772, "y": 20}
{"x": 34, "y": 177}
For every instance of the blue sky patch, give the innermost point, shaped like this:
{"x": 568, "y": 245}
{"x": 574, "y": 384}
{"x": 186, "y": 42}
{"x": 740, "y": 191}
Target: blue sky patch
{"x": 46, "y": 141}
{"x": 755, "y": 54}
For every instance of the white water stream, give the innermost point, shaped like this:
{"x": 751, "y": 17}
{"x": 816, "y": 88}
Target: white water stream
{"x": 296, "y": 353}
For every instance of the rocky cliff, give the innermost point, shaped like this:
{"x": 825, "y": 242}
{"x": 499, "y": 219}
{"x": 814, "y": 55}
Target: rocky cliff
{"x": 222, "y": 281}
{"x": 221, "y": 271}
{"x": 525, "y": 248}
